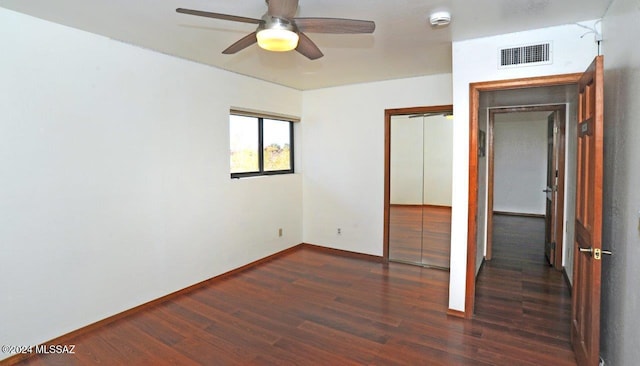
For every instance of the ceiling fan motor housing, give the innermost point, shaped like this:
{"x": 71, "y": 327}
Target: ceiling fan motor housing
{"x": 271, "y": 22}
{"x": 277, "y": 34}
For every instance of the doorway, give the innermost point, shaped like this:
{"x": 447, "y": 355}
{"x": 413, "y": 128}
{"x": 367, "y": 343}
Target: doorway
{"x": 529, "y": 157}
{"x": 557, "y": 89}
{"x": 585, "y": 104}
{"x": 418, "y": 170}
{"x": 516, "y": 277}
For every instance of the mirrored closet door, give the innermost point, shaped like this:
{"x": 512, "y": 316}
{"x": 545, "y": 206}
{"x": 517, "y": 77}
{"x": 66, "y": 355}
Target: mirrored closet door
{"x": 419, "y": 203}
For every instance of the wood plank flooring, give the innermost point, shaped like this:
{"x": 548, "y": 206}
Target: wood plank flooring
{"x": 518, "y": 292}
{"x": 311, "y": 307}
{"x": 420, "y": 234}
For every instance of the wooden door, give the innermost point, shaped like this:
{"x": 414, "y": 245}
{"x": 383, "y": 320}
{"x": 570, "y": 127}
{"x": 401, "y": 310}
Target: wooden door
{"x": 585, "y": 324}
{"x": 554, "y": 216}
{"x": 550, "y": 212}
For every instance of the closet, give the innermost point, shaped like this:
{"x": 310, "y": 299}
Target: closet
{"x": 419, "y": 187}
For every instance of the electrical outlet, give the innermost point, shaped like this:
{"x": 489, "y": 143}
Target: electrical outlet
{"x": 280, "y": 232}
{"x": 339, "y": 231}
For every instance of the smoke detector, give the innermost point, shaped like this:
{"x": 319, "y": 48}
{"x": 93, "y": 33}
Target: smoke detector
{"x": 440, "y": 18}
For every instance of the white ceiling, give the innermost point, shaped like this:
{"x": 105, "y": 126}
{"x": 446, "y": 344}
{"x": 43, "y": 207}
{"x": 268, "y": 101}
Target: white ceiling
{"x": 403, "y": 44}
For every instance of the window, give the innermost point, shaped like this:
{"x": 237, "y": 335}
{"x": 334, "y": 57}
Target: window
{"x": 260, "y": 146}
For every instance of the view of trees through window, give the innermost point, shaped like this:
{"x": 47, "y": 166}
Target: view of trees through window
{"x": 260, "y": 146}
{"x": 243, "y": 132}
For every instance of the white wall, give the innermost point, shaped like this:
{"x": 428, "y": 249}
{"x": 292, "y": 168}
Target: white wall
{"x": 474, "y": 61}
{"x": 620, "y": 322}
{"x": 421, "y": 150}
{"x": 520, "y": 165}
{"x": 343, "y": 157}
{"x": 114, "y": 178}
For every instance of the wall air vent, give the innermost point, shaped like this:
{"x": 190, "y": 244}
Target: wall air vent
{"x": 526, "y": 55}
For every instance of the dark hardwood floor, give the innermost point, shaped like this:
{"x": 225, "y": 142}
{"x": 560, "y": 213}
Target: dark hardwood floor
{"x": 310, "y": 307}
{"x": 518, "y": 292}
{"x": 420, "y": 234}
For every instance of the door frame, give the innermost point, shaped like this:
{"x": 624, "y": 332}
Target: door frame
{"x": 388, "y": 113}
{"x": 560, "y": 111}
{"x": 474, "y": 106}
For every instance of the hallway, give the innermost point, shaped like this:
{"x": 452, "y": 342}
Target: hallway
{"x": 519, "y": 292}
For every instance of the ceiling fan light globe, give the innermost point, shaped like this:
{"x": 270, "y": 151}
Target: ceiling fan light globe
{"x": 279, "y": 40}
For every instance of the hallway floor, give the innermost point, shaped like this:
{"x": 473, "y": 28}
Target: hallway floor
{"x": 519, "y": 292}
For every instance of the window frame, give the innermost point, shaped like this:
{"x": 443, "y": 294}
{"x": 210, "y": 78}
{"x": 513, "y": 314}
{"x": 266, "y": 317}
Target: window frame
{"x": 261, "y": 171}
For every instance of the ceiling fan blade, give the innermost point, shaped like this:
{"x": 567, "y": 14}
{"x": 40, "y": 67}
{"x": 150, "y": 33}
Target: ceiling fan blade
{"x": 245, "y": 42}
{"x": 334, "y": 25}
{"x": 282, "y": 8}
{"x": 207, "y": 14}
{"x": 308, "y": 48}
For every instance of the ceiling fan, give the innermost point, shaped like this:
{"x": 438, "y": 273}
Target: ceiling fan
{"x": 280, "y": 30}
